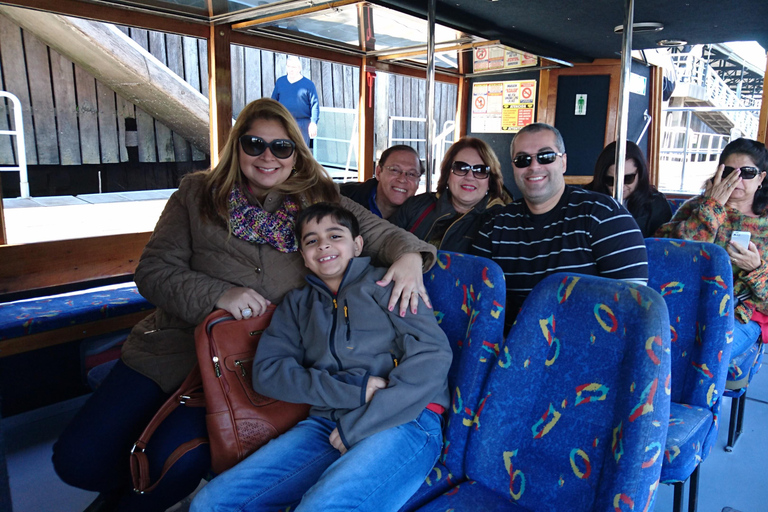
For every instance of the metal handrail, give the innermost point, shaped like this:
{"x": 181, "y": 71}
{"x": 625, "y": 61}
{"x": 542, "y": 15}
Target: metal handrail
{"x": 21, "y": 155}
{"x": 439, "y": 141}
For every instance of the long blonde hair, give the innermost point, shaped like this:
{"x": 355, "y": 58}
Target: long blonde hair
{"x": 308, "y": 183}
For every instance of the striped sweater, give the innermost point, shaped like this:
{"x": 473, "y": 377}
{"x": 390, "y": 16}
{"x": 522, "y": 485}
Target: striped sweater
{"x": 586, "y": 233}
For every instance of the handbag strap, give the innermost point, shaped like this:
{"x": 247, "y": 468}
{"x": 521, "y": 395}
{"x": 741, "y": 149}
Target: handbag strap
{"x": 189, "y": 394}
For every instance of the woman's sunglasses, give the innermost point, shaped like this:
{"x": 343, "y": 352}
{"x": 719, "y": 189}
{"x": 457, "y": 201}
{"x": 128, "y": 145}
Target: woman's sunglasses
{"x": 479, "y": 171}
{"x": 628, "y": 179}
{"x": 747, "y": 173}
{"x": 254, "y": 146}
{"x": 544, "y": 158}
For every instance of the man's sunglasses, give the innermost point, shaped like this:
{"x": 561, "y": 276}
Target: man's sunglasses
{"x": 628, "y": 179}
{"x": 254, "y": 146}
{"x": 479, "y": 171}
{"x": 544, "y": 158}
{"x": 747, "y": 173}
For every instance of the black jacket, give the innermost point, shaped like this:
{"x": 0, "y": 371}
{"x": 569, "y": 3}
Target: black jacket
{"x": 652, "y": 214}
{"x": 460, "y": 234}
{"x": 359, "y": 192}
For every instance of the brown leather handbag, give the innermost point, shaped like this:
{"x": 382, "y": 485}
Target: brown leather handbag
{"x": 239, "y": 420}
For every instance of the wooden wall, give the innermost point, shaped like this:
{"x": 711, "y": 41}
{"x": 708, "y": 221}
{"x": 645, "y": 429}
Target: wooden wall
{"x": 70, "y": 118}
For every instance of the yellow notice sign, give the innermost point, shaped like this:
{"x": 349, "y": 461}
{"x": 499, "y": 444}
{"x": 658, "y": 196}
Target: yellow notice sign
{"x": 501, "y": 107}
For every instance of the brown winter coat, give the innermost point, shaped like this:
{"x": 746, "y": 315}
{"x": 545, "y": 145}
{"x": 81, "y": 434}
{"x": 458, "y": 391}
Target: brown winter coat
{"x": 189, "y": 263}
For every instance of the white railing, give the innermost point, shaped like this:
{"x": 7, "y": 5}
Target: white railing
{"x": 336, "y": 144}
{"x": 694, "y": 70}
{"x": 687, "y": 158}
{"x": 18, "y": 132}
{"x": 440, "y": 141}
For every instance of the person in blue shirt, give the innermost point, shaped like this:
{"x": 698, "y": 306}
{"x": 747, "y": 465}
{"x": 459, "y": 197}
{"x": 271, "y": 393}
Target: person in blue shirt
{"x": 299, "y": 96}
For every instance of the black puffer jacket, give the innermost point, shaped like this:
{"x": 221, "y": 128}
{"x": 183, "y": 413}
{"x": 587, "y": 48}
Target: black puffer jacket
{"x": 359, "y": 192}
{"x": 460, "y": 234}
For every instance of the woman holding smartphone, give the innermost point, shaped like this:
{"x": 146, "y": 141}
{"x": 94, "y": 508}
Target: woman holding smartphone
{"x": 734, "y": 200}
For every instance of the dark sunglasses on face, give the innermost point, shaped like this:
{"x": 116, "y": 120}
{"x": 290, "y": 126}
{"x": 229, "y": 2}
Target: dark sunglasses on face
{"x": 543, "y": 157}
{"x": 479, "y": 171}
{"x": 747, "y": 173}
{"x": 628, "y": 179}
{"x": 254, "y": 146}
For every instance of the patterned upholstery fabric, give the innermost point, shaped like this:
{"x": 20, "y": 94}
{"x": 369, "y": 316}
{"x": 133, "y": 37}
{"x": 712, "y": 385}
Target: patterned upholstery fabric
{"x": 696, "y": 282}
{"x": 24, "y": 317}
{"x": 468, "y": 296}
{"x": 575, "y": 412}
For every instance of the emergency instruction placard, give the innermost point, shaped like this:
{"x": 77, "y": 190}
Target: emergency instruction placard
{"x": 501, "y": 107}
{"x": 496, "y": 58}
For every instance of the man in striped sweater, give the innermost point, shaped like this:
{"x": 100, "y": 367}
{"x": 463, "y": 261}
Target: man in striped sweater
{"x": 557, "y": 227}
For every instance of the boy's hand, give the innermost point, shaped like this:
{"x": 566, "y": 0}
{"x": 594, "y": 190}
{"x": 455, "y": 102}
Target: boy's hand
{"x": 335, "y": 440}
{"x": 374, "y": 384}
{"x": 242, "y": 303}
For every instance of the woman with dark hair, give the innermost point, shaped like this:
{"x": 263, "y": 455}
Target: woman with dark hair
{"x": 225, "y": 240}
{"x": 734, "y": 199}
{"x": 647, "y": 205}
{"x": 470, "y": 188}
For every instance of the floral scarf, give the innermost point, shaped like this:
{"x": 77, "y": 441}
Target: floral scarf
{"x": 254, "y": 224}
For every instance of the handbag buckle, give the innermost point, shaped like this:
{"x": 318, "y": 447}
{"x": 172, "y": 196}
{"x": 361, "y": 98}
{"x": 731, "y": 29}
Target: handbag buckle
{"x": 133, "y": 449}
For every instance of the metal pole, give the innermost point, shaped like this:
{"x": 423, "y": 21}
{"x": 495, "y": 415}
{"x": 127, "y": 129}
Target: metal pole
{"x": 626, "y": 68}
{"x": 685, "y": 147}
{"x": 430, "y": 92}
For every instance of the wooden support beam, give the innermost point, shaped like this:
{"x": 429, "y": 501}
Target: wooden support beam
{"x": 3, "y": 236}
{"x": 46, "y": 264}
{"x": 115, "y": 14}
{"x": 463, "y": 95}
{"x": 365, "y": 121}
{"x": 654, "y": 131}
{"x": 118, "y": 62}
{"x": 762, "y": 127}
{"x": 219, "y": 88}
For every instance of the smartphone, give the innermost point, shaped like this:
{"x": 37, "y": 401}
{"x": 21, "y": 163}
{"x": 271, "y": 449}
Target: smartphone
{"x": 741, "y": 238}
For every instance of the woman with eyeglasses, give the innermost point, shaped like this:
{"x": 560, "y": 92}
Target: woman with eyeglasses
{"x": 647, "y": 205}
{"x": 225, "y": 240}
{"x": 470, "y": 188}
{"x": 735, "y": 199}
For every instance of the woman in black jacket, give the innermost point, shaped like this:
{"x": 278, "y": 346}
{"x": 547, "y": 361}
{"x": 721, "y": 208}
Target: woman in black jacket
{"x": 470, "y": 188}
{"x": 647, "y": 205}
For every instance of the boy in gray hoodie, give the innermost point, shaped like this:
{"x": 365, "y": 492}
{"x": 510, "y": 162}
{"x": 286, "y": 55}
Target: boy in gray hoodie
{"x": 376, "y": 381}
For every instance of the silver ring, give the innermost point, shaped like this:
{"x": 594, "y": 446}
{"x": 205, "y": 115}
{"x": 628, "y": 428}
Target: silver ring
{"x": 247, "y": 312}
{"x": 728, "y": 185}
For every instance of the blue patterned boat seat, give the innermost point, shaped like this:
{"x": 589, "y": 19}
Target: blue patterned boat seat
{"x": 83, "y": 313}
{"x": 575, "y": 411}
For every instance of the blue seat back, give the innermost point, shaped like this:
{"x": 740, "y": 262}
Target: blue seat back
{"x": 468, "y": 295}
{"x": 696, "y": 281}
{"x": 575, "y": 413}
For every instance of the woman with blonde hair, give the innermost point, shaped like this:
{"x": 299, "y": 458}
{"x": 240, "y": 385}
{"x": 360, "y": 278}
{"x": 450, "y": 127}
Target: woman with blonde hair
{"x": 225, "y": 240}
{"x": 470, "y": 189}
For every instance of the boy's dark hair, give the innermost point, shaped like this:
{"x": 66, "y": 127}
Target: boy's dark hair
{"x": 319, "y": 211}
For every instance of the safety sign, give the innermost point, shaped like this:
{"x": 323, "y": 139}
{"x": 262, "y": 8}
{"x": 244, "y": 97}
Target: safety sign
{"x": 501, "y": 107}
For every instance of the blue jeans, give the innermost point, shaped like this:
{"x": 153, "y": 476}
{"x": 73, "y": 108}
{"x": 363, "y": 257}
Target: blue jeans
{"x": 744, "y": 336}
{"x": 378, "y": 474}
{"x": 93, "y": 451}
